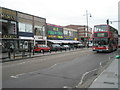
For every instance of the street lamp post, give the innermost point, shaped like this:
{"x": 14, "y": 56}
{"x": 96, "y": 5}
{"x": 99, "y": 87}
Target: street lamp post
{"x": 87, "y": 27}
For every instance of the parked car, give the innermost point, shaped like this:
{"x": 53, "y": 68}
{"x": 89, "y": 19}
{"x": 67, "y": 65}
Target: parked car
{"x": 55, "y": 47}
{"x": 90, "y": 44}
{"x": 65, "y": 47}
{"x": 72, "y": 46}
{"x": 41, "y": 48}
{"x": 81, "y": 45}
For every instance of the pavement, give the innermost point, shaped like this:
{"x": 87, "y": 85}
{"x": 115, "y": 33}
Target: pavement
{"x": 19, "y": 57}
{"x": 109, "y": 77}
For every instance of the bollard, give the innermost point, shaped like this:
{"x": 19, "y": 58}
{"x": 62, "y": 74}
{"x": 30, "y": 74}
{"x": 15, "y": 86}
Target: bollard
{"x": 49, "y": 51}
{"x": 43, "y": 51}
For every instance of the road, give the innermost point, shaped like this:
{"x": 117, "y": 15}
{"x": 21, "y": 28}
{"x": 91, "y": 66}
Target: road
{"x": 52, "y": 71}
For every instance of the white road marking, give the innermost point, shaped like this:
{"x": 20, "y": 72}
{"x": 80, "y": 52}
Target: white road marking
{"x": 101, "y": 64}
{"x": 53, "y": 66}
{"x": 17, "y": 76}
{"x": 82, "y": 79}
{"x": 22, "y": 63}
{"x": 95, "y": 80}
{"x": 65, "y": 87}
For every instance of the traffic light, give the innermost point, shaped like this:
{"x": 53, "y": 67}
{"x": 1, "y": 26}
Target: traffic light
{"x": 107, "y": 21}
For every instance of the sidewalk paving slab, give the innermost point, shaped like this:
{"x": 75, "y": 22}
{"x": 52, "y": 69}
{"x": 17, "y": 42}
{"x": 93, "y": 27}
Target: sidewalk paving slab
{"x": 108, "y": 78}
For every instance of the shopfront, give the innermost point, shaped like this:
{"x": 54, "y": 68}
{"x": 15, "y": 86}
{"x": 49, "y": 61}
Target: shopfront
{"x": 39, "y": 31}
{"x": 25, "y": 27}
{"x": 54, "y": 32}
{"x": 14, "y": 44}
{"x": 8, "y": 32}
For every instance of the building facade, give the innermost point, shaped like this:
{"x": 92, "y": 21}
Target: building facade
{"x": 8, "y": 32}
{"x": 40, "y": 30}
{"x": 82, "y": 33}
{"x": 70, "y": 34}
{"x": 19, "y": 33}
{"x": 54, "y": 32}
{"x": 61, "y": 34}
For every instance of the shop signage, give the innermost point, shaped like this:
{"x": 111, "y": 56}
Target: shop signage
{"x": 5, "y": 16}
{"x": 75, "y": 38}
{"x": 55, "y": 29}
{"x": 38, "y": 37}
{"x": 54, "y": 36}
{"x": 60, "y": 37}
{"x": 9, "y": 36}
{"x": 55, "y": 32}
{"x": 68, "y": 37}
{"x": 8, "y": 14}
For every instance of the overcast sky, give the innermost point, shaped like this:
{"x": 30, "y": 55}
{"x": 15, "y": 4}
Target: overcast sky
{"x": 65, "y": 12}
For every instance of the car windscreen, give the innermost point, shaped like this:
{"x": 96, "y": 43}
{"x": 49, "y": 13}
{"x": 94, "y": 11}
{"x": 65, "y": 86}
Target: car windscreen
{"x": 56, "y": 45}
{"x": 42, "y": 46}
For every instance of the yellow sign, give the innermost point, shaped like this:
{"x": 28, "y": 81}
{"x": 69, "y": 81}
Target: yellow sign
{"x": 7, "y": 14}
{"x": 51, "y": 36}
{"x": 55, "y": 29}
{"x": 9, "y": 36}
{"x": 75, "y": 38}
{"x": 60, "y": 37}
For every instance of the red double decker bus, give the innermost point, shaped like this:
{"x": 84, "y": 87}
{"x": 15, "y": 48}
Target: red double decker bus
{"x": 105, "y": 38}
{"x": 119, "y": 41}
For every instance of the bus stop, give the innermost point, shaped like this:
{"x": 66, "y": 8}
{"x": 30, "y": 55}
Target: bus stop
{"x": 12, "y": 49}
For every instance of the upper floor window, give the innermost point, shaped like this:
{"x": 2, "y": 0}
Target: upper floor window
{"x": 38, "y": 30}
{"x": 24, "y": 27}
{"x": 8, "y": 27}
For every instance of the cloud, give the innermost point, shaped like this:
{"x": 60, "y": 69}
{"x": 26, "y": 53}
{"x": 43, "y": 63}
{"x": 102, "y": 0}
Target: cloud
{"x": 66, "y": 11}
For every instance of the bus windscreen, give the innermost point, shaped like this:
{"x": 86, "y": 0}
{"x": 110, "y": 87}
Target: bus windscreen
{"x": 100, "y": 28}
{"x": 101, "y": 42}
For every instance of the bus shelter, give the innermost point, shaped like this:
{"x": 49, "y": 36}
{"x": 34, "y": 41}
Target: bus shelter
{"x": 12, "y": 49}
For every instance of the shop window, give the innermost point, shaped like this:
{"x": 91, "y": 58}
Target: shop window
{"x": 8, "y": 27}
{"x": 21, "y": 44}
{"x": 66, "y": 32}
{"x": 12, "y": 28}
{"x": 25, "y": 45}
{"x": 21, "y": 27}
{"x": 28, "y": 28}
{"x": 70, "y": 33}
{"x": 38, "y": 31}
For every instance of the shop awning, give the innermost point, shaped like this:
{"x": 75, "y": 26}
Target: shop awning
{"x": 64, "y": 41}
{"x": 72, "y": 41}
{"x": 55, "y": 41}
{"x": 28, "y": 38}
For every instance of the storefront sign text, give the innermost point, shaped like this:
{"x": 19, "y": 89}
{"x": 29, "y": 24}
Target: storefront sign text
{"x": 9, "y": 36}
